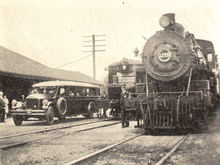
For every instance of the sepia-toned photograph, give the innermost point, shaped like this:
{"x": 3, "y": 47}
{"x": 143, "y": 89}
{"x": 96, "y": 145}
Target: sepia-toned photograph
{"x": 109, "y": 82}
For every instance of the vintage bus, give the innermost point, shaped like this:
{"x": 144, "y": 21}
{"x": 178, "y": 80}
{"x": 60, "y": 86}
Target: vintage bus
{"x": 56, "y": 99}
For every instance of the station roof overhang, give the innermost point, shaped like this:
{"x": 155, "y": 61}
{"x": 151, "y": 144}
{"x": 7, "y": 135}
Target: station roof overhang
{"x": 16, "y": 65}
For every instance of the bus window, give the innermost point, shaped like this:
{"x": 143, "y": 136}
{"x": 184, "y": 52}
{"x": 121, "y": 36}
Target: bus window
{"x": 79, "y": 91}
{"x": 97, "y": 92}
{"x": 93, "y": 92}
{"x": 87, "y": 92}
{"x": 64, "y": 91}
{"x": 83, "y": 91}
{"x": 72, "y": 91}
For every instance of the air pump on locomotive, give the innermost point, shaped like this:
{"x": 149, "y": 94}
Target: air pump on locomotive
{"x": 181, "y": 81}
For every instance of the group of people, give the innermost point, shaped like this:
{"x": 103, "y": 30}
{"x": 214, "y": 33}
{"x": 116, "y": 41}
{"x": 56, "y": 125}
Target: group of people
{"x": 3, "y": 107}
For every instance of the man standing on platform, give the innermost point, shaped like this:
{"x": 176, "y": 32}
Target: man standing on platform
{"x": 124, "y": 113}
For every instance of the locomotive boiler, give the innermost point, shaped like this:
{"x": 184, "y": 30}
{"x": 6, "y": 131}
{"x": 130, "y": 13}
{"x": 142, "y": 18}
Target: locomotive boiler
{"x": 181, "y": 78}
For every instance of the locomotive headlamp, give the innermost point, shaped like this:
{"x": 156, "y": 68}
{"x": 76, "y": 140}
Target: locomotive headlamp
{"x": 165, "y": 21}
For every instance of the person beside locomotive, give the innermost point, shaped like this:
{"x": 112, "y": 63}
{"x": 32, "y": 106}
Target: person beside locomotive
{"x": 124, "y": 112}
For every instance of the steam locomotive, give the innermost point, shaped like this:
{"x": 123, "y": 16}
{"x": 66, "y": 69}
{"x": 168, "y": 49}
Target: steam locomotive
{"x": 182, "y": 78}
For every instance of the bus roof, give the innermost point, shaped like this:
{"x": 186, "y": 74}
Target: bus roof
{"x": 63, "y": 83}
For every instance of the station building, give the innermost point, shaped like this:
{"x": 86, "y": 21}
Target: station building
{"x": 18, "y": 73}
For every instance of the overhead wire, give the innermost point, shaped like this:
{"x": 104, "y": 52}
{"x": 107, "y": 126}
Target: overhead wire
{"x": 74, "y": 61}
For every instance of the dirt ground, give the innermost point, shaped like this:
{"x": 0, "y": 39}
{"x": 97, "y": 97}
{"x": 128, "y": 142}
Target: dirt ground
{"x": 202, "y": 148}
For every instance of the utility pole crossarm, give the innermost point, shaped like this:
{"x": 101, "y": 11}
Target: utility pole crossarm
{"x": 94, "y": 50}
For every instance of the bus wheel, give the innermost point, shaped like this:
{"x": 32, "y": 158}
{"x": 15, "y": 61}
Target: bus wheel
{"x": 49, "y": 115}
{"x": 17, "y": 120}
{"x": 61, "y": 106}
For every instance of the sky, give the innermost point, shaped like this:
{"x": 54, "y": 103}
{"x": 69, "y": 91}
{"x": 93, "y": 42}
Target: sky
{"x": 51, "y": 32}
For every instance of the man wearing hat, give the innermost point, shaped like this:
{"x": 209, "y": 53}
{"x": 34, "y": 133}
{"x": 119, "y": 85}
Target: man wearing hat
{"x": 124, "y": 113}
{"x": 2, "y": 107}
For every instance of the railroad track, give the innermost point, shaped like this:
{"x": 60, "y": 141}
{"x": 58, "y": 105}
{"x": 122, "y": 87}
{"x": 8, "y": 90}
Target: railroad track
{"x": 51, "y": 129}
{"x": 11, "y": 141}
{"x": 169, "y": 154}
{"x": 101, "y": 151}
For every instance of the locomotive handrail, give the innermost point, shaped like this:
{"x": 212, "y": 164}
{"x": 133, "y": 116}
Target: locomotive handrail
{"x": 189, "y": 81}
{"x": 148, "y": 109}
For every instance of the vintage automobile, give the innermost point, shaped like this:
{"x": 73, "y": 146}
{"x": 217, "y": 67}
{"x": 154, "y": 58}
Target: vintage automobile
{"x": 56, "y": 99}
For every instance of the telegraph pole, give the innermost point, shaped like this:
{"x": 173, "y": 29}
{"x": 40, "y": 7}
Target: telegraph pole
{"x": 94, "y": 49}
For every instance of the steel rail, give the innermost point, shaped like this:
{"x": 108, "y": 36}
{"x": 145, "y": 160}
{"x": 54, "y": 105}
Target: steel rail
{"x": 28, "y": 141}
{"x": 169, "y": 154}
{"x": 100, "y": 151}
{"x": 50, "y": 129}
